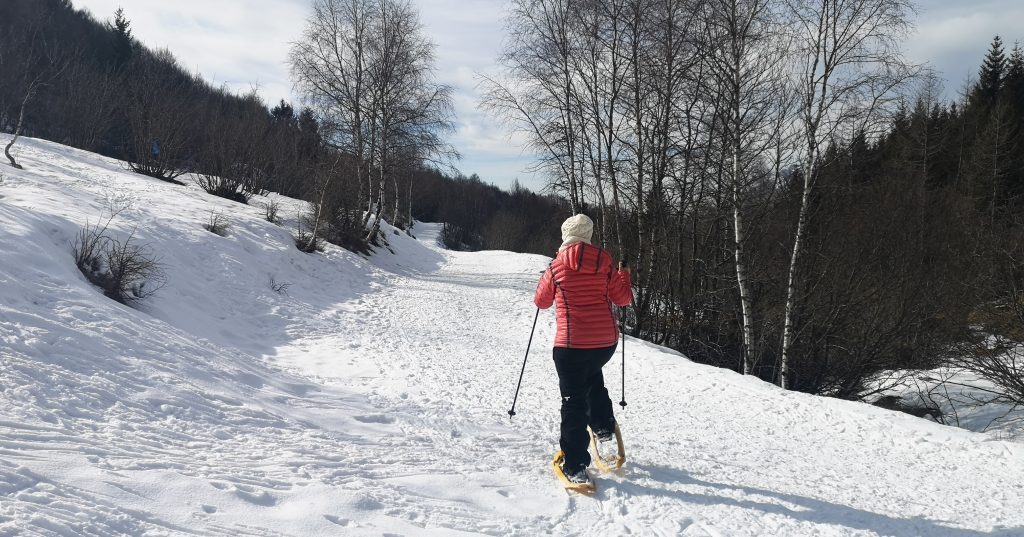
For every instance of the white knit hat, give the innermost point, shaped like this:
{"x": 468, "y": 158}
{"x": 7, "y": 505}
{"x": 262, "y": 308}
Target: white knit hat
{"x": 578, "y": 228}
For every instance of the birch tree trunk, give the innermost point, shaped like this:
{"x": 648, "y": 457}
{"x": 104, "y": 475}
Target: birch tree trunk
{"x": 394, "y": 214}
{"x": 798, "y": 237}
{"x": 382, "y": 184}
{"x": 21, "y": 122}
{"x": 850, "y": 63}
{"x": 741, "y": 275}
{"x": 744, "y": 59}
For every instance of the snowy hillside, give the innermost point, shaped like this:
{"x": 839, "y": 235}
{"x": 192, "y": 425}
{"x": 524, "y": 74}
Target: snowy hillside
{"x": 370, "y": 398}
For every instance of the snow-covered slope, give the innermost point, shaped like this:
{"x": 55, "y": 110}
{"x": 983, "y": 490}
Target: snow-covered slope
{"x": 370, "y": 399}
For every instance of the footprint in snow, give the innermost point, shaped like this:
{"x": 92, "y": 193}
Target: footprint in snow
{"x": 257, "y": 497}
{"x": 375, "y": 418}
{"x": 209, "y": 509}
{"x": 343, "y": 522}
{"x": 250, "y": 380}
{"x": 368, "y": 504}
{"x": 247, "y": 493}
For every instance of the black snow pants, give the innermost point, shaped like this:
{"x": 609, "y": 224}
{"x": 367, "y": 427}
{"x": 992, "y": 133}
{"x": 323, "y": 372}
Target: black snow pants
{"x": 585, "y": 401}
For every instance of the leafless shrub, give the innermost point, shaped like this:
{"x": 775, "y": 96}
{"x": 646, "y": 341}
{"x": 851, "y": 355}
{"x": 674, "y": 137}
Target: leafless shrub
{"x": 133, "y": 272}
{"x": 457, "y": 238}
{"x": 933, "y": 391}
{"x": 118, "y": 202}
{"x": 279, "y": 288}
{"x": 235, "y": 156}
{"x": 969, "y": 397}
{"x": 223, "y": 186}
{"x": 306, "y": 239}
{"x": 88, "y": 249}
{"x": 995, "y": 349}
{"x": 307, "y": 242}
{"x": 1001, "y": 362}
{"x": 270, "y": 210}
{"x": 218, "y": 224}
{"x": 161, "y": 116}
{"x": 126, "y": 271}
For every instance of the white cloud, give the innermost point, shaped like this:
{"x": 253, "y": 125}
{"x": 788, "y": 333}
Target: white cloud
{"x": 953, "y": 35}
{"x": 469, "y": 35}
{"x": 237, "y": 43}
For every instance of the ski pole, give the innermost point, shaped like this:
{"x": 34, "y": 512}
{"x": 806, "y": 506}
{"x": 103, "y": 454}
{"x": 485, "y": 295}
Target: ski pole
{"x": 512, "y": 411}
{"x": 622, "y": 330}
{"x": 622, "y": 403}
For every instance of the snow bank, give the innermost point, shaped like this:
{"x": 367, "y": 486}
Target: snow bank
{"x": 960, "y": 399}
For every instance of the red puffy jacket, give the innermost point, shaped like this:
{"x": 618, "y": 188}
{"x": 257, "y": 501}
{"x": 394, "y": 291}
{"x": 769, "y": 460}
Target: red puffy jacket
{"x": 583, "y": 284}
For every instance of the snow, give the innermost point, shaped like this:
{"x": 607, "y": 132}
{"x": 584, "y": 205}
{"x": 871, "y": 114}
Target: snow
{"x": 371, "y": 398}
{"x": 962, "y": 398}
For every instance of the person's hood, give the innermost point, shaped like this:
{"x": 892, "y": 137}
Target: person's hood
{"x": 583, "y": 257}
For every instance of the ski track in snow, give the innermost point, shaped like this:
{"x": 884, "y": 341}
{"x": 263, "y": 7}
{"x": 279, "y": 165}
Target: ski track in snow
{"x": 371, "y": 398}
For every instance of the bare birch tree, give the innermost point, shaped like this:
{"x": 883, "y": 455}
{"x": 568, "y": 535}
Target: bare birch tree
{"x": 664, "y": 57}
{"x": 600, "y": 65}
{"x": 746, "y": 56}
{"x": 848, "y": 65}
{"x": 537, "y": 91}
{"x": 410, "y": 113}
{"x": 330, "y": 67}
{"x": 29, "y": 64}
{"x": 367, "y": 68}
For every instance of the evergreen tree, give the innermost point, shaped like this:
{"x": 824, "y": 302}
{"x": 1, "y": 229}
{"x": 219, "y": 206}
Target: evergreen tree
{"x": 996, "y": 163}
{"x": 1012, "y": 97}
{"x": 1014, "y": 82}
{"x": 123, "y": 41}
{"x": 310, "y": 140}
{"x": 991, "y": 76}
{"x": 283, "y": 113}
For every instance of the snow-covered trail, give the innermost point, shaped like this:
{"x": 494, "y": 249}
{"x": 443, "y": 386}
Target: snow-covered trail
{"x": 711, "y": 453}
{"x": 371, "y": 399}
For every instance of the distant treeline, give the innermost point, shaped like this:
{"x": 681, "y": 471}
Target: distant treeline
{"x": 72, "y": 79}
{"x": 480, "y": 216}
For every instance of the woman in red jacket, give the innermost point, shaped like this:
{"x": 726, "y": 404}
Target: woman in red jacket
{"x": 583, "y": 283}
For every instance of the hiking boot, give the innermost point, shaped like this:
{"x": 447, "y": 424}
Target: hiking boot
{"x": 606, "y": 450}
{"x": 607, "y": 446}
{"x": 605, "y": 436}
{"x": 577, "y": 477}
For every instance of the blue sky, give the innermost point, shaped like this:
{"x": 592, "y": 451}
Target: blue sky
{"x": 244, "y": 43}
